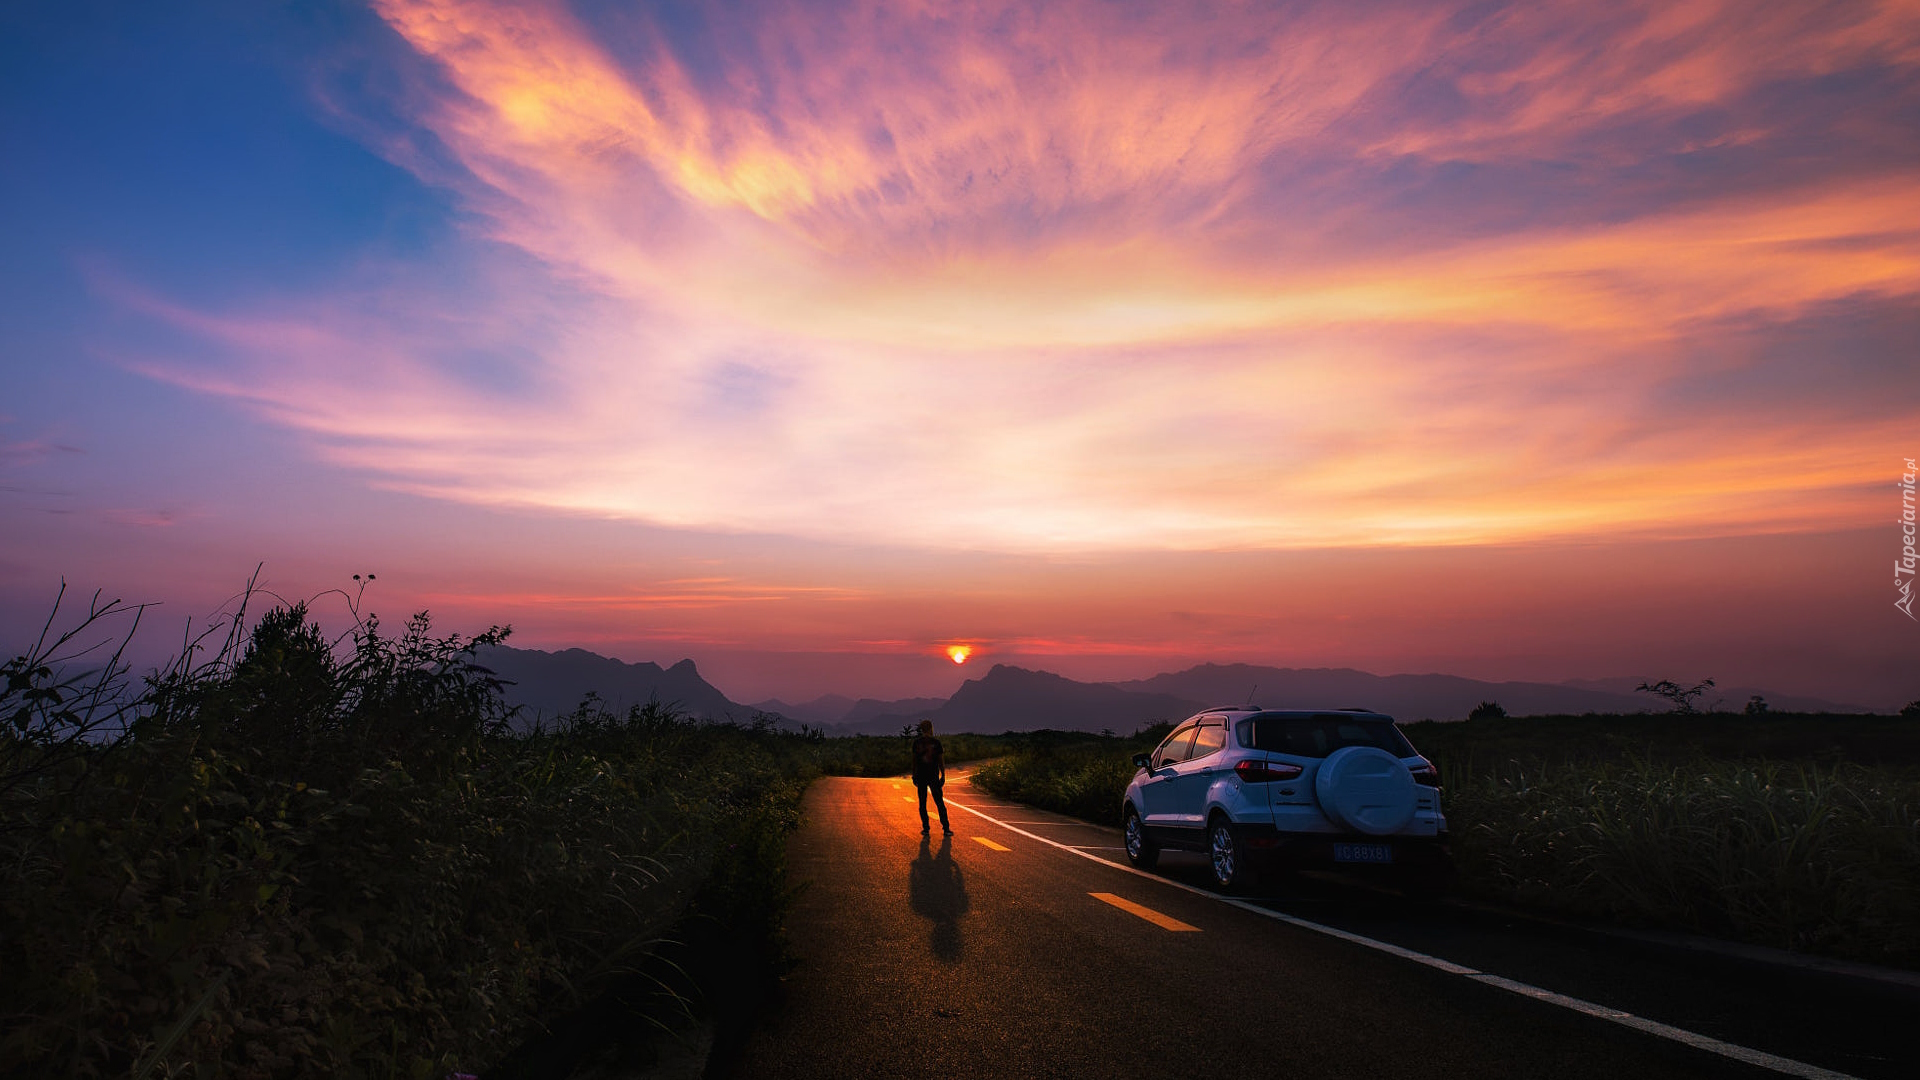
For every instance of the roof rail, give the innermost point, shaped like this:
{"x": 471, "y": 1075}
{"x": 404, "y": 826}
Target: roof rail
{"x": 1353, "y": 708}
{"x": 1238, "y": 706}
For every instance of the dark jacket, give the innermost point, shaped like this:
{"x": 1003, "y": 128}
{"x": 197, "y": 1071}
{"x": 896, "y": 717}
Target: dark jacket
{"x": 929, "y": 760}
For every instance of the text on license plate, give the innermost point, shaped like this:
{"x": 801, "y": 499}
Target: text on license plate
{"x": 1364, "y": 853}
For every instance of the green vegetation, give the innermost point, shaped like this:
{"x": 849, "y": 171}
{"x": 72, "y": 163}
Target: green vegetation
{"x": 1813, "y": 857}
{"x": 1795, "y": 831}
{"x": 1070, "y": 773}
{"x": 887, "y": 755}
{"x": 1791, "y": 830}
{"x": 303, "y": 857}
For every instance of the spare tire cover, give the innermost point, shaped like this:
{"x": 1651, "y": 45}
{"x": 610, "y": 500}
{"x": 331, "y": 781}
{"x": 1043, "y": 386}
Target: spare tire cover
{"x": 1365, "y": 789}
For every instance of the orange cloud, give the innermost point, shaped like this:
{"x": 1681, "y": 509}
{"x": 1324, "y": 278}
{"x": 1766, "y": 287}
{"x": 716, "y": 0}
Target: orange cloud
{"x": 1010, "y": 276}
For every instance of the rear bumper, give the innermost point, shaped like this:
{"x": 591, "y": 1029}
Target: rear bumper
{"x": 1292, "y": 850}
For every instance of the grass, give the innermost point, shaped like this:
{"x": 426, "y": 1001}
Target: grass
{"x": 1821, "y": 858}
{"x": 1070, "y": 773}
{"x": 1795, "y": 831}
{"x": 283, "y": 855}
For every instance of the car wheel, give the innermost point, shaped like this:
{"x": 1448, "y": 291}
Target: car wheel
{"x": 1141, "y": 851}
{"x": 1230, "y": 870}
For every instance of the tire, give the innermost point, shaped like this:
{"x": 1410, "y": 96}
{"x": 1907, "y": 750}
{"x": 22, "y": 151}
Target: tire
{"x": 1142, "y": 852}
{"x": 1225, "y": 855}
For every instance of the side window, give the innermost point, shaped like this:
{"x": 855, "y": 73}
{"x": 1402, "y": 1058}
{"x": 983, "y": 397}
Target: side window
{"x": 1174, "y": 750}
{"x": 1211, "y": 737}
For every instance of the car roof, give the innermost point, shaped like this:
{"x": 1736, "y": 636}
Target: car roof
{"x": 1240, "y": 711}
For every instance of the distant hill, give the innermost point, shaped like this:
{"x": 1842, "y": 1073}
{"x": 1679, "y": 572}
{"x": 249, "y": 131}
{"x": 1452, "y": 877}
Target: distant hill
{"x": 868, "y": 709}
{"x": 1016, "y": 699}
{"x": 549, "y": 684}
{"x": 1730, "y": 698}
{"x": 1406, "y": 697}
{"x": 1431, "y": 697}
{"x": 837, "y": 711}
{"x": 878, "y": 724}
{"x": 825, "y": 709}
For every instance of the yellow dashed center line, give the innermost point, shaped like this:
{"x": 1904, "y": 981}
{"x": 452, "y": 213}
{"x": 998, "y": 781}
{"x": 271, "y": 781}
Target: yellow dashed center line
{"x": 906, "y": 798}
{"x": 991, "y": 844}
{"x": 1164, "y": 922}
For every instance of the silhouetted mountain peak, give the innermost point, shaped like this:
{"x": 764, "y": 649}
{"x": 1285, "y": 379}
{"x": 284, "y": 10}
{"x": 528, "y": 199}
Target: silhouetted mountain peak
{"x": 591, "y": 659}
{"x": 553, "y": 684}
{"x": 1011, "y": 675}
{"x": 1009, "y": 698}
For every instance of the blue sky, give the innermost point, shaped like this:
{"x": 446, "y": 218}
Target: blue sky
{"x": 808, "y": 340}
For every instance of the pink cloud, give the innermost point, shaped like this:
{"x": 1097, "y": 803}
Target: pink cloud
{"x": 1052, "y": 277}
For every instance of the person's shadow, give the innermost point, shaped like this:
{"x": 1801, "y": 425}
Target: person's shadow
{"x": 937, "y": 892}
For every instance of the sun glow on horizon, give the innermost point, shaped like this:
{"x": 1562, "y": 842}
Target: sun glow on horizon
{"x": 959, "y": 653}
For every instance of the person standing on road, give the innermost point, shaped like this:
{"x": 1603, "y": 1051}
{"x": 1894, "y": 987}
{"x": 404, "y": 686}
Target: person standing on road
{"x": 930, "y": 771}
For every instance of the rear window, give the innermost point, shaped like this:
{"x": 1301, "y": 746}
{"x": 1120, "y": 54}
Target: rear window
{"x": 1318, "y": 736}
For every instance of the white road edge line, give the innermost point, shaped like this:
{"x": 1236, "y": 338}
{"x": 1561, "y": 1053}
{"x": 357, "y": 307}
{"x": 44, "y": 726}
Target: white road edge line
{"x": 1745, "y": 1054}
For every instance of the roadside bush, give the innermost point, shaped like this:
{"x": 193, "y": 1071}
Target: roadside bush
{"x": 1082, "y": 775}
{"x": 292, "y": 862}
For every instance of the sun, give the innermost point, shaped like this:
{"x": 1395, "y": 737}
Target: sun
{"x": 959, "y": 653}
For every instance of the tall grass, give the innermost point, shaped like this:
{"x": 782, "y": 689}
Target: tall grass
{"x": 301, "y": 857}
{"x": 1816, "y": 857}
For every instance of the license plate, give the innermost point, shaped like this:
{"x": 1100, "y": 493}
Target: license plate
{"x": 1363, "y": 853}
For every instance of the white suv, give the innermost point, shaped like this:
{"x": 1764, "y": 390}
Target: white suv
{"x": 1292, "y": 788}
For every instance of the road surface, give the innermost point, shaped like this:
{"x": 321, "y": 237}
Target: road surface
{"x": 1023, "y": 946}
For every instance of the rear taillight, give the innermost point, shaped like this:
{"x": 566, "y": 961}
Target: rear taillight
{"x": 1262, "y": 772}
{"x": 1425, "y": 773}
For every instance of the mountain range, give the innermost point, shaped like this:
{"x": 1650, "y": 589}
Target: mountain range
{"x": 838, "y": 709}
{"x": 1007, "y": 698}
{"x": 1438, "y": 697}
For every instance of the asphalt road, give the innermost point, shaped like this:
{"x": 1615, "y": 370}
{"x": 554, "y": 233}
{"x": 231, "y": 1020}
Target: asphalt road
{"x": 1006, "y": 952}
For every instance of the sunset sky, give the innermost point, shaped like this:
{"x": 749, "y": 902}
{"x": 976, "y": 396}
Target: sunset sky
{"x": 807, "y": 340}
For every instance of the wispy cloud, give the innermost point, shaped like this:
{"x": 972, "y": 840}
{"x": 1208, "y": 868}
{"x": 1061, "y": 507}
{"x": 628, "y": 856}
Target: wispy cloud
{"x": 1069, "y": 275}
{"x": 662, "y": 596}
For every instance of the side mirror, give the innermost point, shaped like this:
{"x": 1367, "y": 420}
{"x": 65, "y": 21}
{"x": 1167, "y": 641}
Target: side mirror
{"x": 1141, "y": 761}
